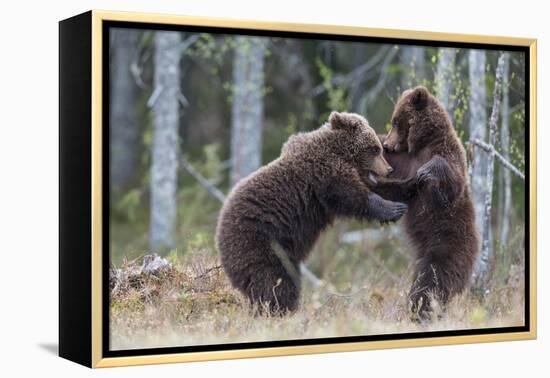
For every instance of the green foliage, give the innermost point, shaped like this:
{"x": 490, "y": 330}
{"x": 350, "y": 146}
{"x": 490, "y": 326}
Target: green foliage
{"x": 308, "y": 112}
{"x": 460, "y": 97}
{"x": 275, "y": 137}
{"x": 212, "y": 163}
{"x": 200, "y": 241}
{"x": 206, "y": 48}
{"x": 337, "y": 98}
{"x": 127, "y": 205}
{"x": 197, "y": 209}
{"x": 211, "y": 51}
{"x": 146, "y": 143}
{"x": 244, "y": 46}
{"x": 173, "y": 256}
{"x": 517, "y": 145}
{"x": 292, "y": 125}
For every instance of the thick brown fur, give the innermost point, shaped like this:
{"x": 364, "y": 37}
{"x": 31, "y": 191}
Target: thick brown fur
{"x": 429, "y": 158}
{"x": 272, "y": 218}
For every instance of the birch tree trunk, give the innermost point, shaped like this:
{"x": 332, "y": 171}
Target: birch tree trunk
{"x": 358, "y": 87}
{"x": 165, "y": 149}
{"x": 444, "y": 78}
{"x": 478, "y": 130}
{"x": 414, "y": 63}
{"x": 506, "y": 182}
{"x": 247, "y": 107}
{"x": 485, "y": 256}
{"x": 124, "y": 124}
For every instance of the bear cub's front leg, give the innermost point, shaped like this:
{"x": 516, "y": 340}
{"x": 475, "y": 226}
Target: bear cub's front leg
{"x": 348, "y": 195}
{"x": 438, "y": 179}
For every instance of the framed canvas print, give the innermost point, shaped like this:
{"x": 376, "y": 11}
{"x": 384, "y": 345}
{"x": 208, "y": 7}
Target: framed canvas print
{"x": 235, "y": 189}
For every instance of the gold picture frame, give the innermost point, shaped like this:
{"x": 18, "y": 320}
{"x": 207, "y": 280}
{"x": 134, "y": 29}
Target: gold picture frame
{"x": 92, "y": 24}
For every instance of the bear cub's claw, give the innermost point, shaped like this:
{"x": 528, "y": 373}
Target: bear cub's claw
{"x": 395, "y": 211}
{"x": 424, "y": 174}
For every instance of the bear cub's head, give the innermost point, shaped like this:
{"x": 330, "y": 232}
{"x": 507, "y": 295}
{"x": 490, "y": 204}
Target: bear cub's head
{"x": 357, "y": 143}
{"x": 418, "y": 120}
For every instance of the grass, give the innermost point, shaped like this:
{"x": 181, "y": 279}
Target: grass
{"x": 193, "y": 302}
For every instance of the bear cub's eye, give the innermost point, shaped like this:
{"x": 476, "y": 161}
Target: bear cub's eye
{"x": 374, "y": 150}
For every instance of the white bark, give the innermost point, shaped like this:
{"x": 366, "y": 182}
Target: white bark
{"x": 491, "y": 150}
{"x": 486, "y": 252}
{"x": 444, "y": 78}
{"x": 205, "y": 183}
{"x": 165, "y": 148}
{"x": 506, "y": 183}
{"x": 414, "y": 63}
{"x": 358, "y": 87}
{"x": 478, "y": 130}
{"x": 247, "y": 107}
{"x": 124, "y": 126}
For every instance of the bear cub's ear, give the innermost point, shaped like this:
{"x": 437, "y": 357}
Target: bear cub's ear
{"x": 345, "y": 121}
{"x": 419, "y": 97}
{"x": 337, "y": 120}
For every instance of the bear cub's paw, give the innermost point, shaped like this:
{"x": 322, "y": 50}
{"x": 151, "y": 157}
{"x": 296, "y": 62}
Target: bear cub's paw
{"x": 425, "y": 174}
{"x": 385, "y": 211}
{"x": 395, "y": 211}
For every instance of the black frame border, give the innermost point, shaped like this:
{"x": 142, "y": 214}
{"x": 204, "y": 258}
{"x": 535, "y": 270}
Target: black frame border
{"x": 75, "y": 197}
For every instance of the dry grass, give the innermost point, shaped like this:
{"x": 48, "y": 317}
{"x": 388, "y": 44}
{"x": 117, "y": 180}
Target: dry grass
{"x": 193, "y": 303}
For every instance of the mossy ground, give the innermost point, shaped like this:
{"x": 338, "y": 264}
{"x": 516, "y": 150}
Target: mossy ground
{"x": 193, "y": 303}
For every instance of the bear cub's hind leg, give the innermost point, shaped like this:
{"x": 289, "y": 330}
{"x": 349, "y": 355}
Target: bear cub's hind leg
{"x": 272, "y": 284}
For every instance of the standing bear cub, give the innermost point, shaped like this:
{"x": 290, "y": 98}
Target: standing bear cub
{"x": 428, "y": 156}
{"x": 272, "y": 218}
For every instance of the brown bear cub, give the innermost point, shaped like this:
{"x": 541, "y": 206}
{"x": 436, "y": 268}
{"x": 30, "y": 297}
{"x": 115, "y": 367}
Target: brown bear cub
{"x": 272, "y": 218}
{"x": 428, "y": 156}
